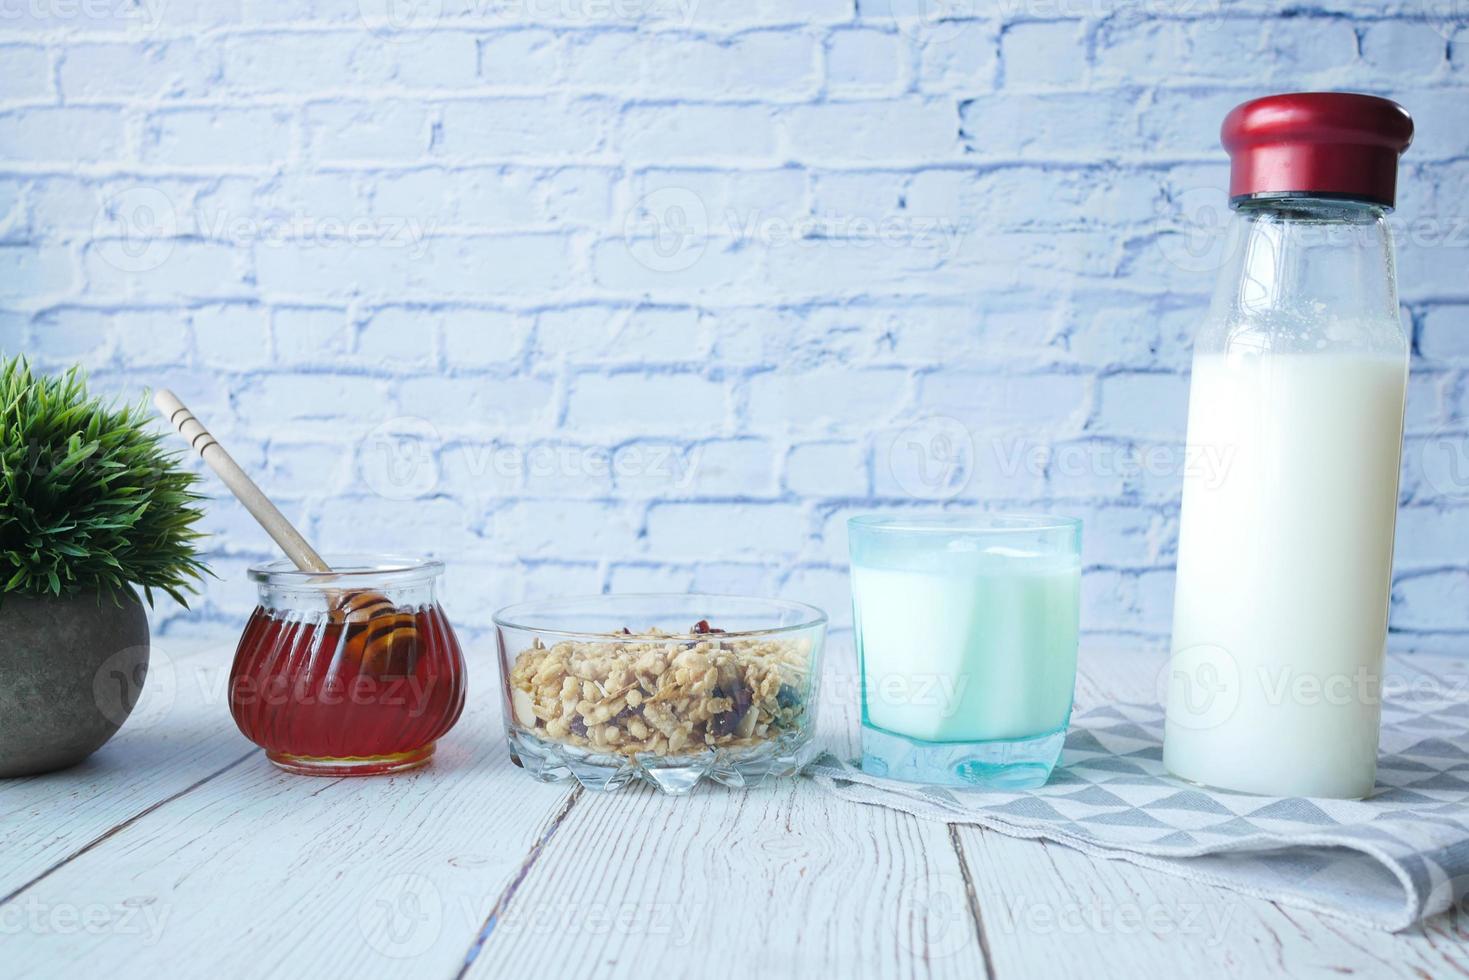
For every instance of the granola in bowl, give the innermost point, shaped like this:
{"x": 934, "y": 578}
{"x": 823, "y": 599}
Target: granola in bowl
{"x": 667, "y": 706}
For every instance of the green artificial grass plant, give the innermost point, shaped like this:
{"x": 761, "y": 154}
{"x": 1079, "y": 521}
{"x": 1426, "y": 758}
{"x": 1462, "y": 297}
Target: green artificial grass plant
{"x": 89, "y": 501}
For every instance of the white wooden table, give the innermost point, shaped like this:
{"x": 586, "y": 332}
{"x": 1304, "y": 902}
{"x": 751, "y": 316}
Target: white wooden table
{"x": 179, "y": 848}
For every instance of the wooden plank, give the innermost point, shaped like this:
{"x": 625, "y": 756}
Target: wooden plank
{"x": 258, "y": 873}
{"x": 779, "y": 881}
{"x": 179, "y": 734}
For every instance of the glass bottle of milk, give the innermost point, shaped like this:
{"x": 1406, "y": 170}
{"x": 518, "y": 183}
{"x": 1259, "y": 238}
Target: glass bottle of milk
{"x": 1295, "y": 431}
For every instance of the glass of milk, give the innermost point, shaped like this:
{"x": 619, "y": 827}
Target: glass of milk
{"x": 966, "y": 631}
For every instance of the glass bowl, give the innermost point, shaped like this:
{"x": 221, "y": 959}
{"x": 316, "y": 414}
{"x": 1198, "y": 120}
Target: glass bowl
{"x": 669, "y": 689}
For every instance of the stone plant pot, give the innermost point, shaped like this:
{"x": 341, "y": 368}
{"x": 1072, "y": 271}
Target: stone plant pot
{"x": 70, "y": 672}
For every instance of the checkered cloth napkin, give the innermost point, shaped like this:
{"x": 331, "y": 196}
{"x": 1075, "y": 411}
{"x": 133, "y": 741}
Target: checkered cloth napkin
{"x": 1384, "y": 862}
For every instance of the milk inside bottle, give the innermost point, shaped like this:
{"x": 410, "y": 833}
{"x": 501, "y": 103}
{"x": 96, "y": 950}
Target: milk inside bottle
{"x": 1296, "y": 399}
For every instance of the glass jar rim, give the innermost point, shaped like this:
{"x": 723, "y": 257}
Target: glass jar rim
{"x": 346, "y": 568}
{"x": 962, "y": 523}
{"x": 514, "y": 616}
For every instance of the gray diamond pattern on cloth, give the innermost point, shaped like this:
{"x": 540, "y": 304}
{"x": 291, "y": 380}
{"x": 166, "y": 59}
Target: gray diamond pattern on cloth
{"x": 1386, "y": 862}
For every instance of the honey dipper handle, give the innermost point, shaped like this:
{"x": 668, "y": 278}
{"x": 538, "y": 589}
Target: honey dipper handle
{"x": 240, "y": 484}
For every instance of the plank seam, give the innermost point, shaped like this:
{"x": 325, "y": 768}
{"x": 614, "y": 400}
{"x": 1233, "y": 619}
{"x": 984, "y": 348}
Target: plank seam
{"x": 502, "y": 903}
{"x": 120, "y": 827}
{"x": 973, "y": 899}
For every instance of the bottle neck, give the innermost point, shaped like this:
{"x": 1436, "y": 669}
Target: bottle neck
{"x": 1309, "y": 269}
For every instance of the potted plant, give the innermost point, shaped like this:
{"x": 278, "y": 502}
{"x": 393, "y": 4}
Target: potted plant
{"x": 91, "y": 507}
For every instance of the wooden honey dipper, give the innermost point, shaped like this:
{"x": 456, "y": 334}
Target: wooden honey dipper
{"x": 388, "y": 643}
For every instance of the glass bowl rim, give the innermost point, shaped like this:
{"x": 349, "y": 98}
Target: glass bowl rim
{"x": 815, "y": 617}
{"x": 938, "y": 522}
{"x": 348, "y": 566}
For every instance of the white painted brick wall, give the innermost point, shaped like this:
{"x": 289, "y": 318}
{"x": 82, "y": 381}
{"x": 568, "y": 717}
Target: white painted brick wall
{"x": 653, "y": 294}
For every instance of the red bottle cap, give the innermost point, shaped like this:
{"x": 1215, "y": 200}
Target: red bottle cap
{"x": 1318, "y": 144}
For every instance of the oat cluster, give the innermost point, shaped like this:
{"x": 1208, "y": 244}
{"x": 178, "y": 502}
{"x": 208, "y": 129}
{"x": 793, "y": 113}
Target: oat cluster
{"x": 652, "y": 693}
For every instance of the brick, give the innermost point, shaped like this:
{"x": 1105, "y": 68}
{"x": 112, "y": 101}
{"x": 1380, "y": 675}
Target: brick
{"x": 310, "y": 336}
{"x": 482, "y": 267}
{"x": 696, "y": 530}
{"x": 731, "y": 468}
{"x": 690, "y": 131}
{"x": 152, "y": 338}
{"x": 863, "y": 62}
{"x": 180, "y": 269}
{"x": 25, "y": 72}
{"x": 232, "y": 338}
{"x": 777, "y": 66}
{"x": 29, "y": 271}
{"x": 1060, "y": 402}
{"x": 62, "y": 135}
{"x": 481, "y": 407}
{"x": 511, "y": 128}
{"x": 518, "y": 58}
{"x": 1049, "y": 54}
{"x": 641, "y": 578}
{"x": 842, "y": 398}
{"x": 477, "y": 338}
{"x": 891, "y": 130}
{"x": 1430, "y": 536}
{"x": 111, "y": 71}
{"x": 1434, "y": 601}
{"x": 495, "y": 198}
{"x": 430, "y": 527}
{"x": 217, "y": 137}
{"x": 597, "y": 334}
{"x": 580, "y": 529}
{"x": 385, "y": 130}
{"x": 1142, "y": 405}
{"x": 1404, "y": 49}
{"x": 1444, "y": 333}
{"x": 827, "y": 469}
{"x": 962, "y": 57}
{"x": 333, "y": 397}
{"x": 645, "y": 402}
